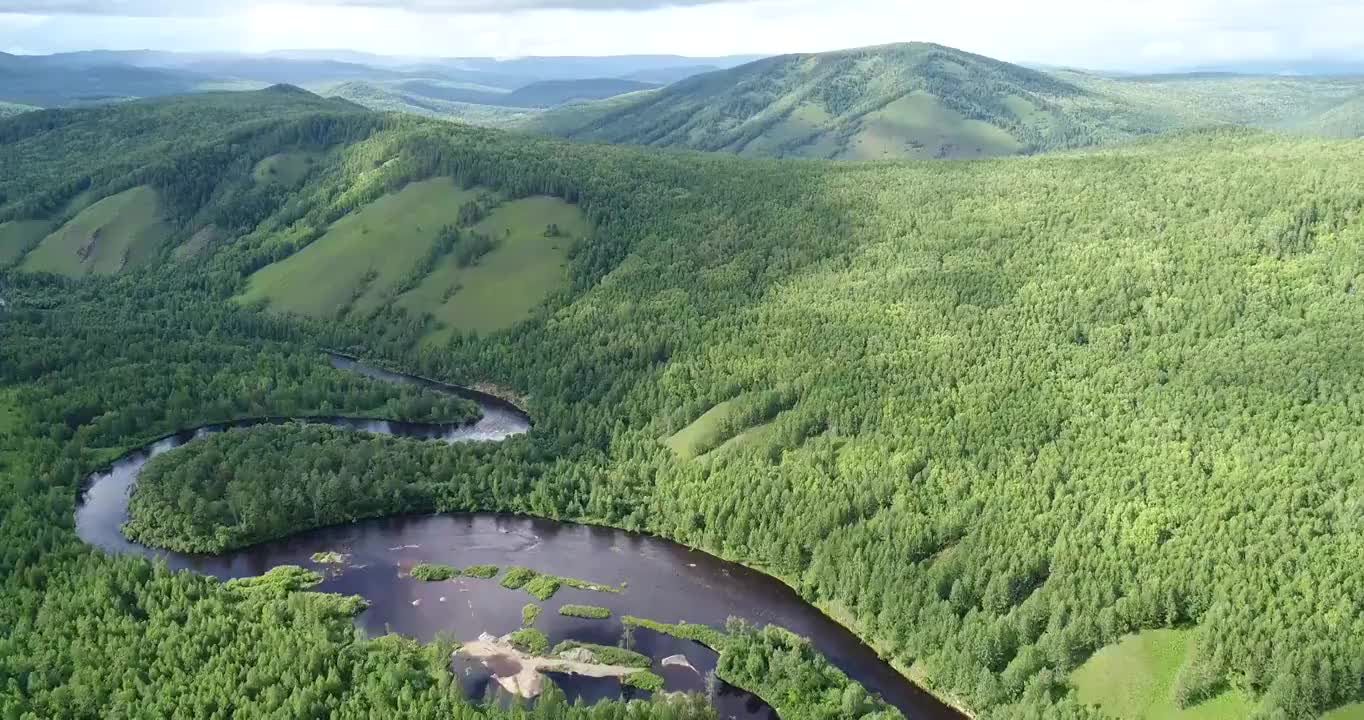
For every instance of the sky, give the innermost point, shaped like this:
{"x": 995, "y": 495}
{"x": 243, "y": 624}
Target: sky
{"x": 1109, "y": 34}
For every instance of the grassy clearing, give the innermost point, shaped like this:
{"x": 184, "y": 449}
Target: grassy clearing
{"x": 505, "y": 285}
{"x": 920, "y": 126}
{"x": 199, "y": 244}
{"x": 362, "y": 253}
{"x": 530, "y": 640}
{"x": 1135, "y": 679}
{"x": 18, "y": 236}
{"x": 605, "y": 654}
{"x": 591, "y": 612}
{"x": 1353, "y": 711}
{"x": 286, "y": 168}
{"x": 120, "y": 232}
{"x": 691, "y": 441}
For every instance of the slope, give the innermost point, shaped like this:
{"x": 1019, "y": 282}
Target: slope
{"x": 1012, "y": 411}
{"x": 1221, "y": 98}
{"x": 910, "y": 100}
{"x": 1345, "y": 120}
{"x": 393, "y": 98}
{"x": 40, "y": 82}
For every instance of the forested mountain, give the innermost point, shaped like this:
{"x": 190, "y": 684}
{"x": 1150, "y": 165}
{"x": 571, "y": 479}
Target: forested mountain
{"x": 1188, "y": 100}
{"x": 918, "y": 101}
{"x": 910, "y": 100}
{"x": 995, "y": 416}
{"x": 38, "y": 81}
{"x": 7, "y": 109}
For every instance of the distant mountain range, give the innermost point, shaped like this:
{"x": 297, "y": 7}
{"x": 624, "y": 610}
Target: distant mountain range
{"x": 920, "y": 100}
{"x": 913, "y": 100}
{"x": 93, "y": 76}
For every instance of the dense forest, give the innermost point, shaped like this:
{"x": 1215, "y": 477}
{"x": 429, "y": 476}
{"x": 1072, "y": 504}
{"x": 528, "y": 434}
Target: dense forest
{"x": 992, "y": 415}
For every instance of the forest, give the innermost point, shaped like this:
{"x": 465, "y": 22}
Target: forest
{"x": 992, "y": 415}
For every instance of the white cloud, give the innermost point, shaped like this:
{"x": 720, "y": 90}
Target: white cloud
{"x": 1115, "y": 33}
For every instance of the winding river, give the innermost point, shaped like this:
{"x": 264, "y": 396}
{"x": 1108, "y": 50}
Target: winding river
{"x": 663, "y": 580}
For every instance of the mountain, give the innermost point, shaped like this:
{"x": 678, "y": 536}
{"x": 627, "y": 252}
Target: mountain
{"x": 909, "y": 100}
{"x": 42, "y": 82}
{"x": 1050, "y": 432}
{"x": 1345, "y": 120}
{"x": 1208, "y": 98}
{"x": 7, "y": 109}
{"x": 585, "y": 67}
{"x": 670, "y": 75}
{"x": 391, "y": 97}
{"x": 543, "y": 94}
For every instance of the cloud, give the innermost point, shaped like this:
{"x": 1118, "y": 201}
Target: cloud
{"x": 180, "y": 8}
{"x": 1112, "y": 34}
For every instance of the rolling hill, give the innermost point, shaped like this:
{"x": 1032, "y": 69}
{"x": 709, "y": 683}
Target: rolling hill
{"x": 7, "y": 109}
{"x": 910, "y": 100}
{"x": 543, "y": 94}
{"x": 1057, "y": 435}
{"x": 928, "y": 101}
{"x": 41, "y": 82}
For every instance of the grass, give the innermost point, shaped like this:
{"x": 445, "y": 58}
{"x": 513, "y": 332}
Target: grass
{"x": 691, "y": 441}
{"x": 433, "y": 572}
{"x": 920, "y": 126}
{"x": 482, "y": 572}
{"x": 1353, "y": 711}
{"x": 328, "y": 558}
{"x": 530, "y": 640}
{"x": 530, "y": 612}
{"x": 644, "y": 680}
{"x": 543, "y": 586}
{"x": 591, "y": 612}
{"x": 387, "y": 238}
{"x": 287, "y": 169}
{"x": 122, "y": 231}
{"x": 505, "y": 285}
{"x": 517, "y": 577}
{"x": 606, "y": 654}
{"x": 18, "y": 236}
{"x": 704, "y": 634}
{"x": 1135, "y": 679}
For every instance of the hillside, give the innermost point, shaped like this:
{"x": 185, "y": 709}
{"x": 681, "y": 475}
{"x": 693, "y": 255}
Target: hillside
{"x": 39, "y": 82}
{"x": 7, "y": 109}
{"x": 1057, "y": 434}
{"x": 1216, "y": 98}
{"x": 394, "y": 98}
{"x": 1345, "y": 120}
{"x": 897, "y": 101}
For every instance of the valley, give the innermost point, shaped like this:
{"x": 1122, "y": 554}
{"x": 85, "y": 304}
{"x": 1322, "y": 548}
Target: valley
{"x": 1049, "y": 411}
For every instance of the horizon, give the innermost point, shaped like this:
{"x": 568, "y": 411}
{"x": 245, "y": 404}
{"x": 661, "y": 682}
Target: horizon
{"x": 1125, "y": 36}
{"x": 1288, "y": 66}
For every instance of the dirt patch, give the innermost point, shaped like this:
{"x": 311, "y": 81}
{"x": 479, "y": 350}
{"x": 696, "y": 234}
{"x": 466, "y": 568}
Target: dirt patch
{"x": 520, "y": 673}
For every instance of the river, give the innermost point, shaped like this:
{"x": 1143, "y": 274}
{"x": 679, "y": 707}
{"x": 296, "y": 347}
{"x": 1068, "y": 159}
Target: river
{"x": 663, "y": 581}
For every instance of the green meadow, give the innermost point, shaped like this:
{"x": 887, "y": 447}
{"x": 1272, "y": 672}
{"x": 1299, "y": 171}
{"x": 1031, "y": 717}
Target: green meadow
{"x": 120, "y": 232}
{"x": 17, "y": 236}
{"x": 504, "y": 286}
{"x": 362, "y": 253}
{"x": 1135, "y": 679}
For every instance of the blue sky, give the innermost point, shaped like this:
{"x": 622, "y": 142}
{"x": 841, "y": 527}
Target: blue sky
{"x": 1135, "y": 34}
